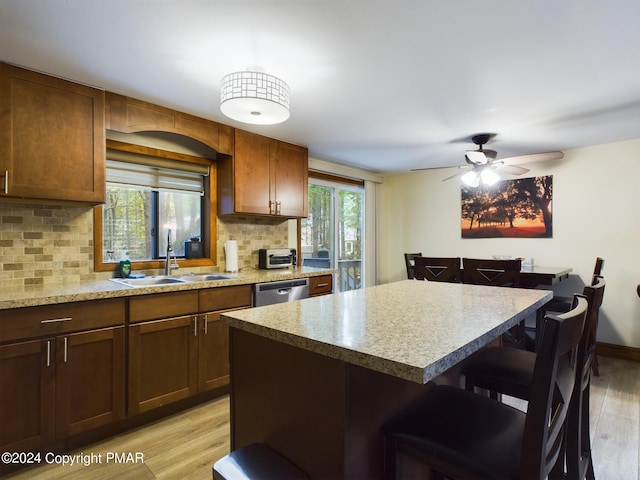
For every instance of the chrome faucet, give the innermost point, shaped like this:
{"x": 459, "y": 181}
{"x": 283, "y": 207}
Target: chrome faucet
{"x": 168, "y": 266}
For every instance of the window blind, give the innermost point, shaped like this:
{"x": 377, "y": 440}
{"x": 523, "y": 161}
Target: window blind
{"x": 128, "y": 168}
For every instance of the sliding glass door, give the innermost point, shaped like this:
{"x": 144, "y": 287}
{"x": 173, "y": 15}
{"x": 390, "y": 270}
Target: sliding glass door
{"x": 333, "y": 233}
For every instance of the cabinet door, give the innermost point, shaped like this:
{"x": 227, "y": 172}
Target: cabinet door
{"x": 253, "y": 180}
{"x": 52, "y": 138}
{"x": 213, "y": 351}
{"x": 290, "y": 171}
{"x": 27, "y": 395}
{"x": 163, "y": 362}
{"x": 90, "y": 380}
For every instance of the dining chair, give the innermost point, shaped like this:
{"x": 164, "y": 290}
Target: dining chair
{"x": 510, "y": 371}
{"x": 561, "y": 304}
{"x": 408, "y": 261}
{"x": 437, "y": 269}
{"x": 500, "y": 273}
{"x": 462, "y": 434}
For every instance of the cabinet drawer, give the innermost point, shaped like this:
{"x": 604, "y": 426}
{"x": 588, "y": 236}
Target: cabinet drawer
{"x": 222, "y": 298}
{"x": 162, "y": 305}
{"x": 18, "y": 323}
{"x": 321, "y": 285}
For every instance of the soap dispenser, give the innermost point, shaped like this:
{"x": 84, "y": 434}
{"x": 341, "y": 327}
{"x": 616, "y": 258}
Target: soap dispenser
{"x": 125, "y": 264}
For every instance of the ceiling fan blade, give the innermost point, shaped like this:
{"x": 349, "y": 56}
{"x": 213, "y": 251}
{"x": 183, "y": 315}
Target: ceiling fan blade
{"x": 532, "y": 158}
{"x": 432, "y": 168}
{"x": 438, "y": 168}
{"x": 454, "y": 176}
{"x": 512, "y": 169}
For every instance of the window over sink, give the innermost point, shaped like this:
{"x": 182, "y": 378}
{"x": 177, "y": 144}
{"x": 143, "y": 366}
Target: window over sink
{"x": 148, "y": 193}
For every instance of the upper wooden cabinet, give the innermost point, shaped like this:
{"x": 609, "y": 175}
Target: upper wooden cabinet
{"x": 129, "y": 115}
{"x": 52, "y": 138}
{"x": 264, "y": 177}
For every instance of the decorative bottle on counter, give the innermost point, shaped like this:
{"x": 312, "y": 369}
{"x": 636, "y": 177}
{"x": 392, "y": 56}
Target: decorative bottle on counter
{"x": 125, "y": 264}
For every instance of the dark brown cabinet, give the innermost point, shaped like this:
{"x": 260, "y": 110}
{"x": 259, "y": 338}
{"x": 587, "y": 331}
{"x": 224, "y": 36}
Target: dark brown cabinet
{"x": 52, "y": 138}
{"x": 178, "y": 347}
{"x": 90, "y": 386}
{"x": 264, "y": 177}
{"x": 163, "y": 349}
{"x": 68, "y": 380}
{"x": 27, "y": 396}
{"x": 162, "y": 362}
{"x": 322, "y": 285}
{"x": 213, "y": 366}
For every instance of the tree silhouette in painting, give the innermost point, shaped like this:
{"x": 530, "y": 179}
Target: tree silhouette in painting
{"x": 510, "y": 208}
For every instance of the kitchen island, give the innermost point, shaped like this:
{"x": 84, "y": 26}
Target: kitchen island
{"x": 315, "y": 379}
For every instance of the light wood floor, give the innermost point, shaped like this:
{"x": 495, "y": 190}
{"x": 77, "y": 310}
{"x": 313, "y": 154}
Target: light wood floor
{"x": 185, "y": 445}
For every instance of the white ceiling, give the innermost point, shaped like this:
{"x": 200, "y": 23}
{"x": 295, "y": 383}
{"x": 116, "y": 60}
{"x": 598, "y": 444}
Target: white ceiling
{"x": 379, "y": 84}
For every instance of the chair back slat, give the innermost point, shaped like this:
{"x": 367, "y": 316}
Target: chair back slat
{"x": 597, "y": 270}
{"x": 409, "y": 263}
{"x": 500, "y": 273}
{"x": 554, "y": 377}
{"x": 437, "y": 269}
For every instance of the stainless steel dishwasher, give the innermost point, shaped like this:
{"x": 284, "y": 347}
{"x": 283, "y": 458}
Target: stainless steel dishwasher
{"x": 282, "y": 291}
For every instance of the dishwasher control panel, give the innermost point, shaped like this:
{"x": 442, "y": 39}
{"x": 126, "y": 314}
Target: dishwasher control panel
{"x": 268, "y": 293}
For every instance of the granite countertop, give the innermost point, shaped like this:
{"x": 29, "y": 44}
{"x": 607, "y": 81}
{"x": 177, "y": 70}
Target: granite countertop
{"x": 100, "y": 289}
{"x": 409, "y": 329}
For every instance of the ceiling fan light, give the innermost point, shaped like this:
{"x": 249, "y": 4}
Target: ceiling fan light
{"x": 254, "y": 97}
{"x": 489, "y": 177}
{"x": 471, "y": 178}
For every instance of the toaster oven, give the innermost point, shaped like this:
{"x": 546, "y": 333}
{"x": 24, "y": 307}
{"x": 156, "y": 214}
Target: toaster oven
{"x": 276, "y": 257}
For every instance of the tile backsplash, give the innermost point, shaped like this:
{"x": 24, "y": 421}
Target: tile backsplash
{"x": 46, "y": 245}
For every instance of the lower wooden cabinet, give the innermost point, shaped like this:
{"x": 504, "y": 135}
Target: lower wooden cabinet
{"x": 174, "y": 358}
{"x": 163, "y": 362}
{"x": 60, "y": 386}
{"x": 90, "y": 380}
{"x": 321, "y": 285}
{"x": 213, "y": 347}
{"x": 27, "y": 395}
{"x": 67, "y": 369}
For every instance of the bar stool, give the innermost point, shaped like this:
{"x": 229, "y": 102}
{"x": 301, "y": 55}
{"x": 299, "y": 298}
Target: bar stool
{"x": 461, "y": 434}
{"x": 497, "y": 273}
{"x": 560, "y": 304}
{"x": 255, "y": 462}
{"x": 510, "y": 371}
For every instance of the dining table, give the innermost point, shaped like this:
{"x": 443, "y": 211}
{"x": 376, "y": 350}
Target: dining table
{"x": 316, "y": 378}
{"x": 535, "y": 276}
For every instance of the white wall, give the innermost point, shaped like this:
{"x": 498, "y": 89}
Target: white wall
{"x": 596, "y": 212}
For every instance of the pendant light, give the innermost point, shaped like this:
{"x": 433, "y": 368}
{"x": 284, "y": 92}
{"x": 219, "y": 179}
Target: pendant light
{"x": 255, "y": 97}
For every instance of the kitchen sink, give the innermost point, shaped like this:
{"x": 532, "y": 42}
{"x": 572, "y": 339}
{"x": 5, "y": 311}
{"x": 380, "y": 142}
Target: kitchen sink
{"x": 205, "y": 277}
{"x": 148, "y": 281}
{"x": 160, "y": 280}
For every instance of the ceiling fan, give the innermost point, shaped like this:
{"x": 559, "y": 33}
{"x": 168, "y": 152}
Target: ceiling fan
{"x": 482, "y": 163}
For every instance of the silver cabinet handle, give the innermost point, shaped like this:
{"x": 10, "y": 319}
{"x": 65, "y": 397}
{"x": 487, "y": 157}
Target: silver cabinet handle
{"x": 278, "y": 207}
{"x": 57, "y": 320}
{"x": 195, "y": 326}
{"x": 206, "y": 324}
{"x": 320, "y": 285}
{"x": 66, "y": 344}
{"x": 6, "y": 182}
{"x": 48, "y": 353}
